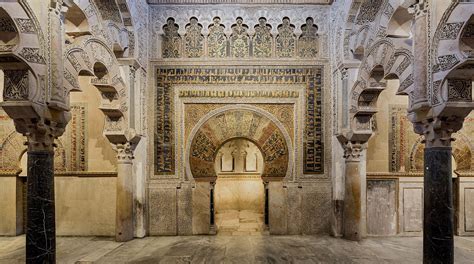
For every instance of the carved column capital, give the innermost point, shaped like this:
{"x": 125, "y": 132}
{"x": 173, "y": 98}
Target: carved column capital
{"x": 438, "y": 131}
{"x": 352, "y": 151}
{"x": 125, "y": 152}
{"x": 40, "y": 135}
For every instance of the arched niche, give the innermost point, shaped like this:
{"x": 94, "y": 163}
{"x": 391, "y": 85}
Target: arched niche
{"x": 249, "y": 123}
{"x": 75, "y": 22}
{"x": 400, "y": 23}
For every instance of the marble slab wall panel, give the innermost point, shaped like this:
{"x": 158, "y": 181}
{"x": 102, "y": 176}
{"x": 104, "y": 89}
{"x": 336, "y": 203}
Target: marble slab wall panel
{"x": 316, "y": 208}
{"x": 278, "y": 205}
{"x": 411, "y": 206}
{"x": 201, "y": 208}
{"x": 465, "y": 206}
{"x": 294, "y": 209}
{"x": 163, "y": 211}
{"x": 381, "y": 207}
{"x": 185, "y": 209}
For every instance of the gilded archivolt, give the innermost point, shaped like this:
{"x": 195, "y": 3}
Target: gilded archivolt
{"x": 238, "y": 124}
{"x": 283, "y": 112}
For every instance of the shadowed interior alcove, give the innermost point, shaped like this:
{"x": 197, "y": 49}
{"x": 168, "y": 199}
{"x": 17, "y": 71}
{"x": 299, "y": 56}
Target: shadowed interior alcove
{"x": 239, "y": 190}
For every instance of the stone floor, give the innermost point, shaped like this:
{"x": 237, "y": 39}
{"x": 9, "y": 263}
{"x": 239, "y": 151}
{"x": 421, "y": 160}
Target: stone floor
{"x": 235, "y": 249}
{"x": 240, "y": 223}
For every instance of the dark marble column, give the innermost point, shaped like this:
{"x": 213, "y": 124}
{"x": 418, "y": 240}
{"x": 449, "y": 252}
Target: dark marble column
{"x": 40, "y": 223}
{"x": 438, "y": 225}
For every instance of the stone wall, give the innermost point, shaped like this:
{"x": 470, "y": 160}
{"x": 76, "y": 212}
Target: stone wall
{"x": 84, "y": 168}
{"x": 395, "y": 172}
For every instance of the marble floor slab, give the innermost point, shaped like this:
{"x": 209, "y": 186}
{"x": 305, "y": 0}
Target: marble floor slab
{"x": 235, "y": 249}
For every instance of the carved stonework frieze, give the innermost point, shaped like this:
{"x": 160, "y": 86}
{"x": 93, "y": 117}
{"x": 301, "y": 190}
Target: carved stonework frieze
{"x": 459, "y": 90}
{"x": 171, "y": 40}
{"x": 25, "y": 25}
{"x": 286, "y": 39}
{"x": 194, "y": 40}
{"x": 450, "y": 31}
{"x": 407, "y": 83}
{"x": 15, "y": 85}
{"x": 32, "y": 55}
{"x": 368, "y": 11}
{"x": 308, "y": 43}
{"x": 436, "y": 92}
{"x": 262, "y": 40}
{"x": 239, "y": 40}
{"x": 445, "y": 63}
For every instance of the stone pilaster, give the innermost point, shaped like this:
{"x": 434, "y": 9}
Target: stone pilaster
{"x": 438, "y": 222}
{"x": 354, "y": 197}
{"x": 420, "y": 48}
{"x": 124, "y": 206}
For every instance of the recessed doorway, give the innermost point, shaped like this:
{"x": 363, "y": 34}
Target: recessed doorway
{"x": 239, "y": 190}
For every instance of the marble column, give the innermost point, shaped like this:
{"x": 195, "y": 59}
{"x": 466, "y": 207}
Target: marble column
{"x": 353, "y": 222}
{"x": 40, "y": 223}
{"x": 438, "y": 224}
{"x": 124, "y": 207}
{"x": 438, "y": 221}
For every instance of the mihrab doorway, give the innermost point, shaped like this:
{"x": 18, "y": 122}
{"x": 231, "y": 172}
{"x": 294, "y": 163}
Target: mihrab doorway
{"x": 239, "y": 190}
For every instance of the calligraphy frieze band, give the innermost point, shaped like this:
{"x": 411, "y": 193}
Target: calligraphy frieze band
{"x": 168, "y": 77}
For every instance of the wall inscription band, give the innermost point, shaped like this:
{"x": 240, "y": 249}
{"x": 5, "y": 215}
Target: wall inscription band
{"x": 239, "y": 94}
{"x": 167, "y": 77}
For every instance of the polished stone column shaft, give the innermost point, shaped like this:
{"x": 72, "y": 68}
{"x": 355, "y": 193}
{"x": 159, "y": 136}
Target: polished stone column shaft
{"x": 124, "y": 206}
{"x": 354, "y": 198}
{"x": 40, "y": 224}
{"x": 438, "y": 224}
{"x": 352, "y": 228}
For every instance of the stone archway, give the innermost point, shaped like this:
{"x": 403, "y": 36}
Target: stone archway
{"x": 238, "y": 121}
{"x": 215, "y": 129}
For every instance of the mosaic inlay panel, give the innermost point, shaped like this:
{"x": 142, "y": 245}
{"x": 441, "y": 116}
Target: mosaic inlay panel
{"x": 167, "y": 77}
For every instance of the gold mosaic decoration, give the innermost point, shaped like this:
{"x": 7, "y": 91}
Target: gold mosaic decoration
{"x": 167, "y": 77}
{"x": 238, "y": 124}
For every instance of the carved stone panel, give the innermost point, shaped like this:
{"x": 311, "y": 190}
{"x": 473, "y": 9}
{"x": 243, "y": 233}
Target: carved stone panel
{"x": 171, "y": 45}
{"x": 15, "y": 85}
{"x": 239, "y": 40}
{"x": 262, "y": 40}
{"x": 286, "y": 39}
{"x": 217, "y": 40}
{"x": 193, "y": 40}
{"x": 308, "y": 43}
